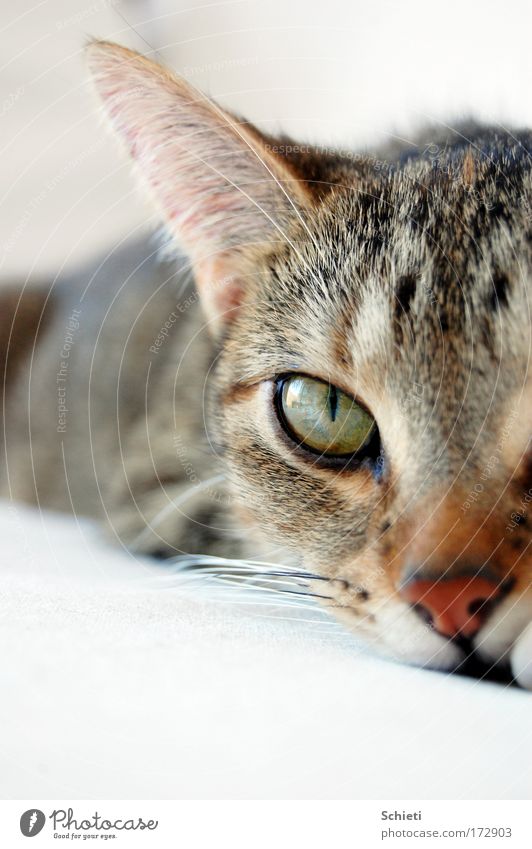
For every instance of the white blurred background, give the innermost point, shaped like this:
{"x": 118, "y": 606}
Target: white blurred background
{"x": 342, "y": 72}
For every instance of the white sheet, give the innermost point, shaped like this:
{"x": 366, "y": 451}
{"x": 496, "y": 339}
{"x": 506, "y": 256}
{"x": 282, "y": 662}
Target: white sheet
{"x": 117, "y": 685}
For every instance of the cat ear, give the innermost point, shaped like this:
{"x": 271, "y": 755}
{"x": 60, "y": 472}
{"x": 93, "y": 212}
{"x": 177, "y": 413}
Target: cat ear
{"x": 219, "y": 187}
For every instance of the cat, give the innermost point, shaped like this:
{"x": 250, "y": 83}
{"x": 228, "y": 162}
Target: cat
{"x": 327, "y": 370}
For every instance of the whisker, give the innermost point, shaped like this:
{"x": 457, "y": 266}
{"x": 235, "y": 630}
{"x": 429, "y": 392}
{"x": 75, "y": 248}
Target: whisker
{"x": 258, "y": 578}
{"x": 253, "y": 584}
{"x": 267, "y": 589}
{"x": 242, "y": 601}
{"x": 174, "y": 504}
{"x": 334, "y": 628}
{"x": 255, "y": 595}
{"x": 207, "y": 561}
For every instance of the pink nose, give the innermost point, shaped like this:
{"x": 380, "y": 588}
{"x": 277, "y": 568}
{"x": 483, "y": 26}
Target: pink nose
{"x": 457, "y": 607}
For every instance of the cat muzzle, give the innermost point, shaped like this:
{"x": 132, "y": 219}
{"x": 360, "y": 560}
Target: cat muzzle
{"x": 458, "y": 606}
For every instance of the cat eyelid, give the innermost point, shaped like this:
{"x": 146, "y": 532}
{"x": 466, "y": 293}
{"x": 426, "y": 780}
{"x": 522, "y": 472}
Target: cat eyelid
{"x": 353, "y": 396}
{"x": 245, "y": 389}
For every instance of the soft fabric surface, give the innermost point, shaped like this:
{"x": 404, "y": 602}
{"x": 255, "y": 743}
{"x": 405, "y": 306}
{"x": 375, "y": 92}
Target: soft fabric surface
{"x": 120, "y": 683}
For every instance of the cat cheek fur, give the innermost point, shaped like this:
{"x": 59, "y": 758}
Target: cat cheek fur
{"x": 299, "y": 502}
{"x": 521, "y": 658}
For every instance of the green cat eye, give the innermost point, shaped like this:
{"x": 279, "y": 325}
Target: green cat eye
{"x": 322, "y": 418}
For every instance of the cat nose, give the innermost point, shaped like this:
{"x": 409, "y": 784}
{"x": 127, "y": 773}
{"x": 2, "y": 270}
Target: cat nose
{"x": 455, "y": 607}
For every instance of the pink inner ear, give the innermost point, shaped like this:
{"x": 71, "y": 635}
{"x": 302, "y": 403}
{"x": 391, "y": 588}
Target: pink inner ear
{"x": 127, "y": 133}
{"x": 220, "y": 290}
{"x": 218, "y": 187}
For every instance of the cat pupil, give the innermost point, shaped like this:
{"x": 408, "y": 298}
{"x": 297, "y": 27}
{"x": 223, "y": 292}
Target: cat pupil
{"x": 333, "y": 402}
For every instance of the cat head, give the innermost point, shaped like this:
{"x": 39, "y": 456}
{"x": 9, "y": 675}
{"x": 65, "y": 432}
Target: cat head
{"x": 371, "y": 394}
